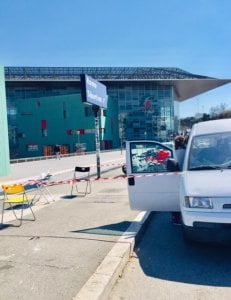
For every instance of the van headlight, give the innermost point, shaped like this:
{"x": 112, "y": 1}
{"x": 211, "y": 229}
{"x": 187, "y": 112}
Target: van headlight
{"x": 198, "y": 202}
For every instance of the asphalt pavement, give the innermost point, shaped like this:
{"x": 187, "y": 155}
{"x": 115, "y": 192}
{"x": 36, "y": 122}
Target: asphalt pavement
{"x": 52, "y": 257}
{"x": 164, "y": 266}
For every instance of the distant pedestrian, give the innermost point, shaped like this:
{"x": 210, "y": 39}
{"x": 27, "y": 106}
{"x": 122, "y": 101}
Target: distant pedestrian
{"x": 57, "y": 151}
{"x": 186, "y": 137}
{"x": 180, "y": 150}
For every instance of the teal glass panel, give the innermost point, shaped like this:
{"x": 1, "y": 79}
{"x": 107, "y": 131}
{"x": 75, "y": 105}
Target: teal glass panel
{"x": 4, "y": 149}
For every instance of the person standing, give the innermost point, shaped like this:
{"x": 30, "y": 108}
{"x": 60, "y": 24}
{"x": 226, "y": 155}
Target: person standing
{"x": 57, "y": 151}
{"x": 180, "y": 145}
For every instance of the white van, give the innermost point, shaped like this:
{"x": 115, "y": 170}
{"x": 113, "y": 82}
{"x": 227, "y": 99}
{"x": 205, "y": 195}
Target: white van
{"x": 201, "y": 192}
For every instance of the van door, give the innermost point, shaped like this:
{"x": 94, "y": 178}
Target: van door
{"x": 151, "y": 187}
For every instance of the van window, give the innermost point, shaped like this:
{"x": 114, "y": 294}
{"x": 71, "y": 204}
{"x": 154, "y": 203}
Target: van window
{"x": 210, "y": 151}
{"x": 147, "y": 157}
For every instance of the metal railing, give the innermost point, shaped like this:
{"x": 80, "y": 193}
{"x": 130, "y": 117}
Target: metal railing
{"x": 27, "y": 159}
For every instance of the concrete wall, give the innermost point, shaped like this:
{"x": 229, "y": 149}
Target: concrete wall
{"x": 4, "y": 143}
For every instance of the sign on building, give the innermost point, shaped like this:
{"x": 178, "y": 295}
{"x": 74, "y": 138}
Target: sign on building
{"x": 93, "y": 92}
{"x": 4, "y": 142}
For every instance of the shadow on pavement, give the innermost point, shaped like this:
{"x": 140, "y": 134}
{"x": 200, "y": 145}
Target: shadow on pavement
{"x": 68, "y": 197}
{"x": 116, "y": 229}
{"x": 17, "y": 207}
{"x": 163, "y": 254}
{"x": 4, "y": 226}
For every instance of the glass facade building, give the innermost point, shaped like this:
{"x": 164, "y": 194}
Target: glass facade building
{"x": 146, "y": 110}
{"x": 144, "y": 100}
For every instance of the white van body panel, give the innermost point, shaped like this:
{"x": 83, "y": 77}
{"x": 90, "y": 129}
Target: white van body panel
{"x": 164, "y": 192}
{"x": 214, "y": 126}
{"x": 158, "y": 193}
{"x": 212, "y": 183}
{"x": 152, "y": 191}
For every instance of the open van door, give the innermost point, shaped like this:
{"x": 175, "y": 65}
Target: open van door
{"x": 152, "y": 188}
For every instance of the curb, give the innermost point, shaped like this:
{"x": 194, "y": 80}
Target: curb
{"x": 99, "y": 285}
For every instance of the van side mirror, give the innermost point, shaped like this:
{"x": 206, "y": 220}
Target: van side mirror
{"x": 172, "y": 165}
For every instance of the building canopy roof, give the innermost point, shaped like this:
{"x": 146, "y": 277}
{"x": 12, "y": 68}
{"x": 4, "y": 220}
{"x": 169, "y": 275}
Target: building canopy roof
{"x": 186, "y": 84}
{"x": 187, "y": 88}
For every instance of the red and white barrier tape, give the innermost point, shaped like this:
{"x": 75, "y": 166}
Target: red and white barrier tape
{"x": 71, "y": 181}
{"x": 109, "y": 165}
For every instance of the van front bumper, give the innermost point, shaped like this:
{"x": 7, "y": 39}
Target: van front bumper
{"x": 202, "y": 226}
{"x": 191, "y": 217}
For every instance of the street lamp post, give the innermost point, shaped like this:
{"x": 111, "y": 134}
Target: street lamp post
{"x": 96, "y": 110}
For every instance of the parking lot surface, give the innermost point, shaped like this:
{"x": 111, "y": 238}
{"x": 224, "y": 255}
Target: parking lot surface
{"x": 165, "y": 267}
{"x": 54, "y": 256}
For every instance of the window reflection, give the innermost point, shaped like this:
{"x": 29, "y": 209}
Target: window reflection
{"x": 149, "y": 157}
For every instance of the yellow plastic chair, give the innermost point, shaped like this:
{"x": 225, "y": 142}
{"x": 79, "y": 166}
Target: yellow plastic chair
{"x": 14, "y": 195}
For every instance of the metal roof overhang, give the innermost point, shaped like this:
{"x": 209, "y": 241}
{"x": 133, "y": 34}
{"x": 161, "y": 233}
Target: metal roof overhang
{"x": 188, "y": 88}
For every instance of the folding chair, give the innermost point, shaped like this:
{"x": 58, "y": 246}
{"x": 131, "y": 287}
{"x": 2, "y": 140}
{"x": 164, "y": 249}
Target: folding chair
{"x": 42, "y": 189}
{"x": 16, "y": 195}
{"x": 86, "y": 178}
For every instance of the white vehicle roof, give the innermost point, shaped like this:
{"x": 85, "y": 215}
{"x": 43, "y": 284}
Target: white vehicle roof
{"x": 213, "y": 126}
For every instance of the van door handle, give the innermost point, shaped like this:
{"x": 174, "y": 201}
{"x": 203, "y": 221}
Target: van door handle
{"x": 131, "y": 181}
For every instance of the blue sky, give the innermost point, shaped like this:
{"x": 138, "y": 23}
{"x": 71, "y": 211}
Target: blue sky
{"x": 191, "y": 35}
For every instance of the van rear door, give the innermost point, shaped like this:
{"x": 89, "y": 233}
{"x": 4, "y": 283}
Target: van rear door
{"x": 150, "y": 186}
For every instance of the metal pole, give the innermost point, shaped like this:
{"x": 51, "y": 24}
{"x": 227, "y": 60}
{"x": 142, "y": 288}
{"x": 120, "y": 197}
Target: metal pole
{"x": 121, "y": 134}
{"x": 97, "y": 140}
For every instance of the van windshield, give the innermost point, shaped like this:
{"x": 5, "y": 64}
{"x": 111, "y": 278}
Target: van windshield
{"x": 212, "y": 151}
